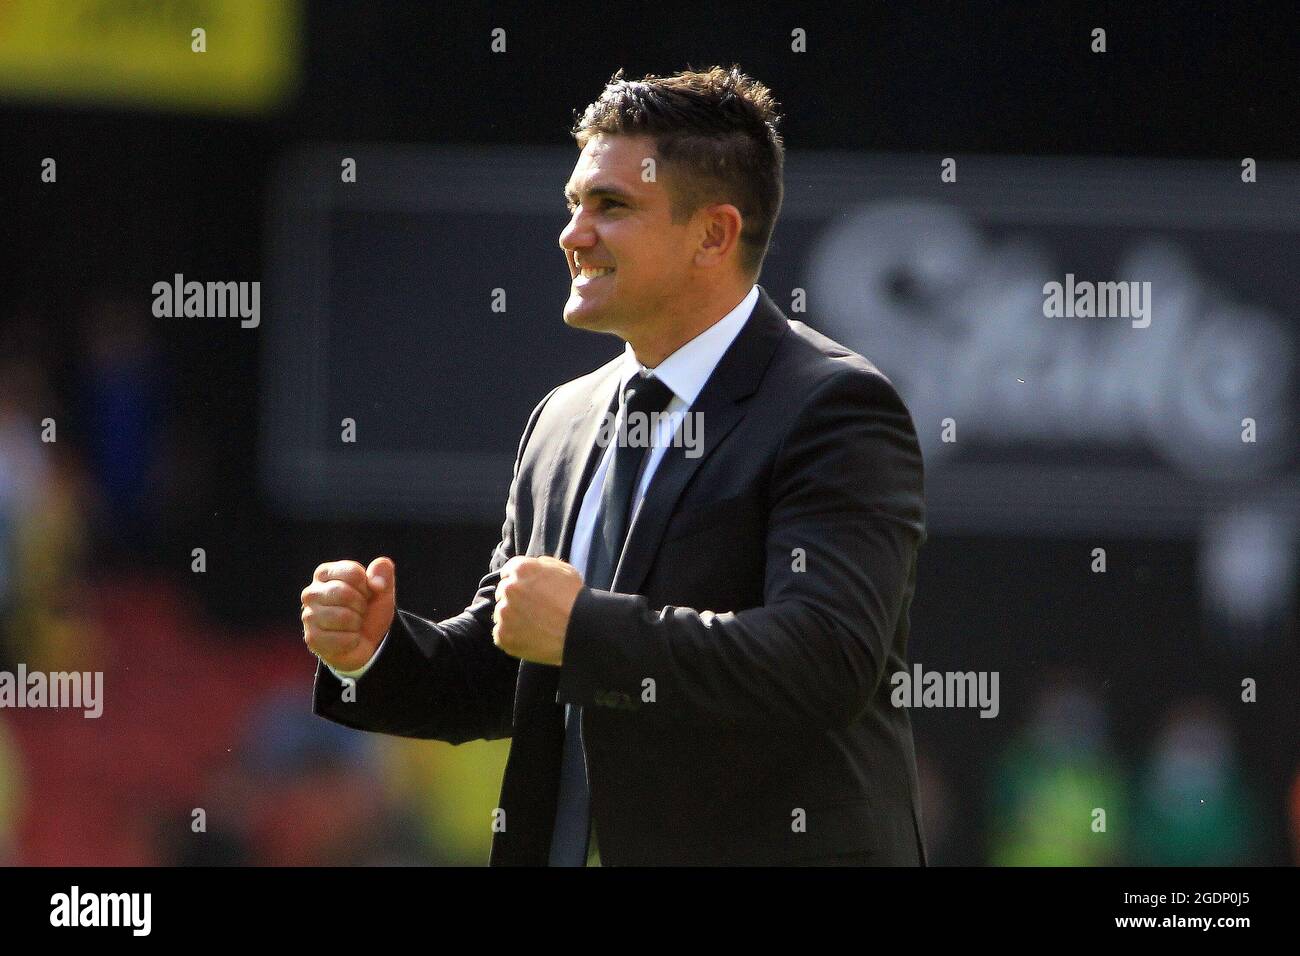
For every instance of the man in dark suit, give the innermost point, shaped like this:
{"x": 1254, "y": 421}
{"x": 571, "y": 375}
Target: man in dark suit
{"x": 709, "y": 548}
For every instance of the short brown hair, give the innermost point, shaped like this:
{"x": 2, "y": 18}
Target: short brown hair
{"x": 715, "y": 130}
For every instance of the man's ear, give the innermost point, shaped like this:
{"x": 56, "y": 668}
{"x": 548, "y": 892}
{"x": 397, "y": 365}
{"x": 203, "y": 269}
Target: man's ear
{"x": 720, "y": 226}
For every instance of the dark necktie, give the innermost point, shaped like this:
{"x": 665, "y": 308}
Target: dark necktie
{"x": 642, "y": 395}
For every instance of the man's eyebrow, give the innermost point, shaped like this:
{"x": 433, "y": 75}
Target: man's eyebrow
{"x": 600, "y": 189}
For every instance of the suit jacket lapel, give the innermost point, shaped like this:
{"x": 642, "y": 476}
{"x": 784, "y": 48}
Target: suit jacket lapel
{"x": 538, "y": 684}
{"x": 577, "y": 460}
{"x": 720, "y": 406}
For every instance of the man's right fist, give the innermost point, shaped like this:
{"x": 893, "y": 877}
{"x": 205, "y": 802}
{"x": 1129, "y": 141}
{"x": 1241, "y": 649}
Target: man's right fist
{"x": 347, "y": 610}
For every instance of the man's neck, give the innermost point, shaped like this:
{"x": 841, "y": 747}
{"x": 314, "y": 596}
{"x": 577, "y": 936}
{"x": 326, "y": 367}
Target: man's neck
{"x": 653, "y": 346}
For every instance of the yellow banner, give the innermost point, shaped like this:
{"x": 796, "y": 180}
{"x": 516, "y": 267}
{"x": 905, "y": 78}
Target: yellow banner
{"x": 209, "y": 55}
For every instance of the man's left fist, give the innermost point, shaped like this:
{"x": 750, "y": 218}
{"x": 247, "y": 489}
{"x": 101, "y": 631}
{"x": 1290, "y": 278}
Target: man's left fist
{"x": 534, "y": 600}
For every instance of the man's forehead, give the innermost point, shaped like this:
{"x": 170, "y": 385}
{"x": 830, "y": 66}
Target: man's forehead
{"x": 612, "y": 161}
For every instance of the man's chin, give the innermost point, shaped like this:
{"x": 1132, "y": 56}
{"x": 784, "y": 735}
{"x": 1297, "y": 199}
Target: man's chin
{"x": 583, "y": 315}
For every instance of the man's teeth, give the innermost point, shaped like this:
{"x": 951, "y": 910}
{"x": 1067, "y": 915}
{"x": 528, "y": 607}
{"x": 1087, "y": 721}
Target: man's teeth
{"x": 595, "y": 273}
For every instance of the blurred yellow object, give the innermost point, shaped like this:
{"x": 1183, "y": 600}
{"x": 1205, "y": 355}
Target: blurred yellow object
{"x": 12, "y": 789}
{"x": 119, "y": 51}
{"x": 454, "y": 791}
{"x": 51, "y": 626}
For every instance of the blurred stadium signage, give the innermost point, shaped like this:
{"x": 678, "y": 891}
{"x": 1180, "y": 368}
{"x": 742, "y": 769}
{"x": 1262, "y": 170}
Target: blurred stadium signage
{"x": 1075, "y": 421}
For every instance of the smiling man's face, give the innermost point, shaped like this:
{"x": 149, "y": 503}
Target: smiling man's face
{"x": 620, "y": 223}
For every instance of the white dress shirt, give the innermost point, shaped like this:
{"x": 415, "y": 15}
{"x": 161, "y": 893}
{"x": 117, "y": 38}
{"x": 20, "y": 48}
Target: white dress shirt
{"x": 685, "y": 372}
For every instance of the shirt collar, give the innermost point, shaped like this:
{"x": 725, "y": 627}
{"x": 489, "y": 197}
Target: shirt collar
{"x": 687, "y": 370}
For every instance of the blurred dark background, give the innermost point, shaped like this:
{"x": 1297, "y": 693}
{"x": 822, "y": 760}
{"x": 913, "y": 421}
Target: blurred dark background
{"x": 1120, "y": 690}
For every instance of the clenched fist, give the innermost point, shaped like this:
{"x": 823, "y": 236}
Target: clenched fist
{"x": 534, "y": 600}
{"x": 347, "y": 609}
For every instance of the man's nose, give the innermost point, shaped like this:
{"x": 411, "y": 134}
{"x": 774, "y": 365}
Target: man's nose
{"x": 576, "y": 235}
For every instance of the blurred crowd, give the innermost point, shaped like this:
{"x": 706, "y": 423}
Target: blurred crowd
{"x": 197, "y": 761}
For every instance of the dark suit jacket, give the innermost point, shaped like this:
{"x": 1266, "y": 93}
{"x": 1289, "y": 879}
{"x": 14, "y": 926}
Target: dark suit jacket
{"x": 734, "y": 679}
